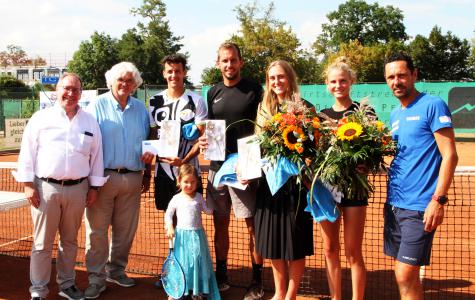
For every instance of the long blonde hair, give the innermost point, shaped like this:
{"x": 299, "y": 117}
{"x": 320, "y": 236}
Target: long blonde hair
{"x": 270, "y": 103}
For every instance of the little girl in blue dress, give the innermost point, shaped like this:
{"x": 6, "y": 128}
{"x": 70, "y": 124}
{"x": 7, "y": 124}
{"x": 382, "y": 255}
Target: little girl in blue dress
{"x": 191, "y": 245}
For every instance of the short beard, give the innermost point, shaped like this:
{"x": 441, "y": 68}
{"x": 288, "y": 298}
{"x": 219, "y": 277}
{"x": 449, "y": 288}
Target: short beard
{"x": 235, "y": 76}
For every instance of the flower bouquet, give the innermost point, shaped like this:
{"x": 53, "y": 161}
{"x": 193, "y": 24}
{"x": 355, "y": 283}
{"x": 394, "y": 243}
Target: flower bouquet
{"x": 291, "y": 141}
{"x": 355, "y": 146}
{"x": 293, "y": 133}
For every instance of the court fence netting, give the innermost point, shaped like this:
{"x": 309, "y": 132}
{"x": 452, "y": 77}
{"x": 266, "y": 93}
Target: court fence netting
{"x": 451, "y": 274}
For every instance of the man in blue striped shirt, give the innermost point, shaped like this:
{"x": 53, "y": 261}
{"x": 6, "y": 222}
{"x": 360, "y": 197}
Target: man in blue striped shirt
{"x": 124, "y": 124}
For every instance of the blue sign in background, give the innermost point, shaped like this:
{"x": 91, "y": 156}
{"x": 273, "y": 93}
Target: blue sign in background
{"x": 49, "y": 79}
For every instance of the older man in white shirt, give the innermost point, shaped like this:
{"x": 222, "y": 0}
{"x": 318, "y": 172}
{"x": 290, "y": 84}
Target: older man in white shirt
{"x": 61, "y": 167}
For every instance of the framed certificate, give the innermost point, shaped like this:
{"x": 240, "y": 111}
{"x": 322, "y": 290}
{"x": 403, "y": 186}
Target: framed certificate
{"x": 169, "y": 140}
{"x": 215, "y": 132}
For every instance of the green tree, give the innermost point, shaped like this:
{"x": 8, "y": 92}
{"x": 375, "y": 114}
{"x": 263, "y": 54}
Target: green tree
{"x": 93, "y": 59}
{"x": 357, "y": 20}
{"x": 10, "y": 83}
{"x": 210, "y": 76}
{"x": 366, "y": 61}
{"x": 263, "y": 39}
{"x": 150, "y": 41}
{"x": 441, "y": 57}
{"x": 471, "y": 60}
{"x": 13, "y": 88}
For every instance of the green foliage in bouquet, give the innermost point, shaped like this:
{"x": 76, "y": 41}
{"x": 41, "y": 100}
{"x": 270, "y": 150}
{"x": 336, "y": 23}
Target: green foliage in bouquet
{"x": 355, "y": 146}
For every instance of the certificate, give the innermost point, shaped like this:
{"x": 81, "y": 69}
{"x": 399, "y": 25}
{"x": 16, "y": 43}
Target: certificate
{"x": 150, "y": 146}
{"x": 215, "y": 133}
{"x": 168, "y": 143}
{"x": 249, "y": 157}
{"x": 169, "y": 140}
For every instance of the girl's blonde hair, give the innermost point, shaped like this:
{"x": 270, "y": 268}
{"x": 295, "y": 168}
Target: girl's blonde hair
{"x": 341, "y": 63}
{"x": 270, "y": 102}
{"x": 187, "y": 169}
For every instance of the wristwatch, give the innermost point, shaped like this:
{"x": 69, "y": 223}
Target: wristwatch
{"x": 441, "y": 199}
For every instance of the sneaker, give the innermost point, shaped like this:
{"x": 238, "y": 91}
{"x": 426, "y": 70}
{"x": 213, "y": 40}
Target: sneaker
{"x": 223, "y": 285}
{"x": 72, "y": 293}
{"x": 222, "y": 281}
{"x": 254, "y": 292}
{"x": 122, "y": 280}
{"x": 94, "y": 290}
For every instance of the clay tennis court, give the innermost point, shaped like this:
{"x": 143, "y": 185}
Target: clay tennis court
{"x": 451, "y": 275}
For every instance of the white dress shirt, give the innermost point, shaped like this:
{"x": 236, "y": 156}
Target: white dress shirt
{"x": 55, "y": 147}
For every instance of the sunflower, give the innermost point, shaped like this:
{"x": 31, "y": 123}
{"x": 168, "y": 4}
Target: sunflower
{"x": 379, "y": 126}
{"x": 349, "y": 131}
{"x": 292, "y": 135}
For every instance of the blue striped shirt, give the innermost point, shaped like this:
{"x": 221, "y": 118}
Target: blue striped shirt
{"x": 122, "y": 131}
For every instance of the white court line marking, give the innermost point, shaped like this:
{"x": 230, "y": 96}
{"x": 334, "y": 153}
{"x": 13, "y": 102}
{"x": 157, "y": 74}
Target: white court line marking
{"x": 16, "y": 241}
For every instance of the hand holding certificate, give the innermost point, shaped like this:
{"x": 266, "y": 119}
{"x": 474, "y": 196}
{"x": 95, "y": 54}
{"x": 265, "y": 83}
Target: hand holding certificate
{"x": 168, "y": 143}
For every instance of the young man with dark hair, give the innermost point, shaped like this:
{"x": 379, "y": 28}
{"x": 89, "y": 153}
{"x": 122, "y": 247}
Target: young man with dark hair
{"x": 175, "y": 103}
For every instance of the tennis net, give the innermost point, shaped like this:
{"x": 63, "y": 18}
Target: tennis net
{"x": 451, "y": 274}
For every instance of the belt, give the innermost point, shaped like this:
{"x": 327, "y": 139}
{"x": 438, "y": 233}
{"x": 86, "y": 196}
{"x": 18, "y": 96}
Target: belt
{"x": 122, "y": 170}
{"x": 63, "y": 182}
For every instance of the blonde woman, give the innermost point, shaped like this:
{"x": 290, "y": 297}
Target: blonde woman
{"x": 339, "y": 77}
{"x": 284, "y": 232}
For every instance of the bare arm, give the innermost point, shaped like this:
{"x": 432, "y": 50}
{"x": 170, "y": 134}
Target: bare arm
{"x": 196, "y": 147}
{"x": 445, "y": 139}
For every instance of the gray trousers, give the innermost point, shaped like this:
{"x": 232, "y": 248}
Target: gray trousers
{"x": 61, "y": 209}
{"x": 117, "y": 206}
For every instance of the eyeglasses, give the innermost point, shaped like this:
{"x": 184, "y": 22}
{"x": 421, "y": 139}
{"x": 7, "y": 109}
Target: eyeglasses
{"x": 126, "y": 81}
{"x": 71, "y": 89}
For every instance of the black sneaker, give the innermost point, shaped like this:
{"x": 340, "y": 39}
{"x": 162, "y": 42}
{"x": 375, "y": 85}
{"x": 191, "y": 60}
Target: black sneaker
{"x": 72, "y": 293}
{"x": 254, "y": 292}
{"x": 223, "y": 284}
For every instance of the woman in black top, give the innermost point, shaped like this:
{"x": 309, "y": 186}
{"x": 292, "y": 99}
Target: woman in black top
{"x": 339, "y": 78}
{"x": 284, "y": 231}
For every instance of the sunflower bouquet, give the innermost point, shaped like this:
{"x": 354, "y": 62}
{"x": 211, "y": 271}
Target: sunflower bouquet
{"x": 293, "y": 133}
{"x": 355, "y": 146}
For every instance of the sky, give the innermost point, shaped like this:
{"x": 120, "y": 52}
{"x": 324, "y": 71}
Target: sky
{"x": 56, "y": 27}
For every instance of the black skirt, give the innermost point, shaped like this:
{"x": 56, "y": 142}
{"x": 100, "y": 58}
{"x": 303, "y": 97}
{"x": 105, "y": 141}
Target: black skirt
{"x": 283, "y": 229}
